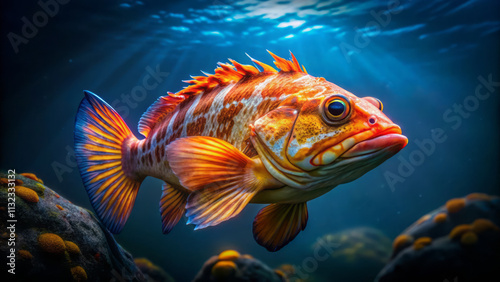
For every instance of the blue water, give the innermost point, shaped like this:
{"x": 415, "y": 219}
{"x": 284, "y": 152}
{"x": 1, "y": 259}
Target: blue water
{"x": 422, "y": 59}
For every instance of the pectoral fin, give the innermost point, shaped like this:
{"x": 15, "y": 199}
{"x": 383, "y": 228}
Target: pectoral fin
{"x": 172, "y": 206}
{"x": 222, "y": 178}
{"x": 277, "y": 224}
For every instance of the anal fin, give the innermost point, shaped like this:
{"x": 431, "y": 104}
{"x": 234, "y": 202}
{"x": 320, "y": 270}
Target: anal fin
{"x": 172, "y": 206}
{"x": 211, "y": 206}
{"x": 277, "y": 224}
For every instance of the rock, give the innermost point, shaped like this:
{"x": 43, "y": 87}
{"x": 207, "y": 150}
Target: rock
{"x": 231, "y": 266}
{"x": 57, "y": 240}
{"x": 459, "y": 241}
{"x": 152, "y": 272}
{"x": 355, "y": 254}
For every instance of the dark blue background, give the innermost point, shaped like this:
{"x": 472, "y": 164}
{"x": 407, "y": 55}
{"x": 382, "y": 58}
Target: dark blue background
{"x": 420, "y": 62}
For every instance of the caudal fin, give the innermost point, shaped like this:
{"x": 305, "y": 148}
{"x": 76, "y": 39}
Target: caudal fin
{"x": 100, "y": 134}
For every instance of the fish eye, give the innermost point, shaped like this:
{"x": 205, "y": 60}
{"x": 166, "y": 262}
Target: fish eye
{"x": 376, "y": 102}
{"x": 336, "y": 109}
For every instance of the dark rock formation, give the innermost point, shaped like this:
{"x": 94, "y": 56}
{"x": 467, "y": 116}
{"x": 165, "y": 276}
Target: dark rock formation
{"x": 152, "y": 272}
{"x": 457, "y": 242}
{"x": 355, "y": 254}
{"x": 231, "y": 266}
{"x": 56, "y": 240}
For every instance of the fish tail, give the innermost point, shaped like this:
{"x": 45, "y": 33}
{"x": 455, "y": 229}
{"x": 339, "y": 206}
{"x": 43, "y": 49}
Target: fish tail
{"x": 102, "y": 143}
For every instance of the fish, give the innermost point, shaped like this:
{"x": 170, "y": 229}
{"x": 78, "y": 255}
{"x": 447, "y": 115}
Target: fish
{"x": 245, "y": 134}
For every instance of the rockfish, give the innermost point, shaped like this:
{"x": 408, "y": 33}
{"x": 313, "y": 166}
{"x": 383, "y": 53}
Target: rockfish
{"x": 239, "y": 136}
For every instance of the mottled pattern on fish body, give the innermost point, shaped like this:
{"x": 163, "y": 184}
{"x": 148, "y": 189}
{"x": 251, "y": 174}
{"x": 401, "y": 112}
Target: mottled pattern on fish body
{"x": 225, "y": 112}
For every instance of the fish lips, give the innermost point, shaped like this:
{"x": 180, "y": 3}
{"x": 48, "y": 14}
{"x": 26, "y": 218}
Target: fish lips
{"x": 389, "y": 143}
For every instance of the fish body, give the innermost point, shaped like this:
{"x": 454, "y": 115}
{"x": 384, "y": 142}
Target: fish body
{"x": 238, "y": 136}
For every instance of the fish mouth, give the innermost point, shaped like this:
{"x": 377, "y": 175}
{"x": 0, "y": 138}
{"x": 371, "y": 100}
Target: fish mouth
{"x": 389, "y": 141}
{"x": 364, "y": 143}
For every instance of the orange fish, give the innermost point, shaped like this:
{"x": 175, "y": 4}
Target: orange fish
{"x": 239, "y": 136}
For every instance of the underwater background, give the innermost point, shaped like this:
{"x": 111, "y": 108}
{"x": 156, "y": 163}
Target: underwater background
{"x": 424, "y": 60}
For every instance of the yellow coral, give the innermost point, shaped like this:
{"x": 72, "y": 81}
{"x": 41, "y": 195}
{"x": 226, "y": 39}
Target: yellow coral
{"x": 223, "y": 269}
{"x": 459, "y": 230}
{"x": 280, "y": 273}
{"x": 455, "y": 205}
{"x": 51, "y": 243}
{"x": 288, "y": 269}
{"x": 401, "y": 241}
{"x": 478, "y": 196}
{"x": 72, "y": 248}
{"x": 424, "y": 218}
{"x": 422, "y": 242}
{"x": 229, "y": 255}
{"x": 31, "y": 176}
{"x": 25, "y": 254}
{"x": 27, "y": 194}
{"x": 480, "y": 225}
{"x": 145, "y": 263}
{"x": 78, "y": 273}
{"x": 440, "y": 217}
{"x": 468, "y": 238}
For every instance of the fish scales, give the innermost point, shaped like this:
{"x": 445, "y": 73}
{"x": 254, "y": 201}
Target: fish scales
{"x": 224, "y": 112}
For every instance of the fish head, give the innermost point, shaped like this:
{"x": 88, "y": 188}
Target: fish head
{"x": 328, "y": 134}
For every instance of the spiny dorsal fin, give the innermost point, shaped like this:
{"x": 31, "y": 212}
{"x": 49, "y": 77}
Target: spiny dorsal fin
{"x": 224, "y": 75}
{"x": 158, "y": 110}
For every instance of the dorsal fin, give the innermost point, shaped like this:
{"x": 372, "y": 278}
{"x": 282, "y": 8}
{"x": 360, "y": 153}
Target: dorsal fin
{"x": 157, "y": 111}
{"x": 224, "y": 74}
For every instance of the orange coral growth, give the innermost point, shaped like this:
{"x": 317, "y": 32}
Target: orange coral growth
{"x": 245, "y": 256}
{"x": 57, "y": 196}
{"x": 31, "y": 176}
{"x": 143, "y": 261}
{"x": 421, "y": 242}
{"x": 478, "y": 196}
{"x": 51, "y": 243}
{"x": 18, "y": 182}
{"x": 455, "y": 205}
{"x": 4, "y": 181}
{"x": 25, "y": 254}
{"x": 229, "y": 255}
{"x": 78, "y": 273}
{"x": 72, "y": 248}
{"x": 27, "y": 194}
{"x": 223, "y": 269}
{"x": 481, "y": 224}
{"x": 440, "y": 217}
{"x": 459, "y": 230}
{"x": 424, "y": 218}
{"x": 288, "y": 269}
{"x": 468, "y": 238}
{"x": 280, "y": 273}
{"x": 401, "y": 241}
{"x": 59, "y": 207}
